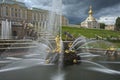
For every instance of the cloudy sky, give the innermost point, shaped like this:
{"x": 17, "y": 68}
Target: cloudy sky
{"x": 77, "y": 10}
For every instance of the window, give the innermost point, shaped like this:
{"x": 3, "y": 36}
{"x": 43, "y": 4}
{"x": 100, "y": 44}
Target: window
{"x": 7, "y": 11}
{"x": 12, "y": 12}
{"x": 16, "y": 10}
{"x": 15, "y": 14}
{"x": 14, "y": 33}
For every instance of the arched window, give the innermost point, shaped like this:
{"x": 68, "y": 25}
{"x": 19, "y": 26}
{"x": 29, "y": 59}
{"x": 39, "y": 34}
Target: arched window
{"x": 14, "y": 33}
{"x": 7, "y": 11}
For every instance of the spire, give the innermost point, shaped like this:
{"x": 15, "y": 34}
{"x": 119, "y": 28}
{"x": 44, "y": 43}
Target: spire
{"x": 90, "y": 11}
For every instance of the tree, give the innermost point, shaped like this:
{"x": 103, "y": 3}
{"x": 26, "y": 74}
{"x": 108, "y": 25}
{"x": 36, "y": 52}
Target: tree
{"x": 117, "y": 24}
{"x": 102, "y": 25}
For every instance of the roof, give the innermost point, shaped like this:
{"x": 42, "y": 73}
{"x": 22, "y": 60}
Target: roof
{"x": 90, "y": 18}
{"x": 38, "y": 9}
{"x": 12, "y": 2}
{"x": 20, "y": 4}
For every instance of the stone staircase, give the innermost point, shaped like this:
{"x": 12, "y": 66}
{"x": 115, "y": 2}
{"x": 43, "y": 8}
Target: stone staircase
{"x": 16, "y": 46}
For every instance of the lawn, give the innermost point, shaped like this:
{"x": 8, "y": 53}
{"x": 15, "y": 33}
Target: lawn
{"x": 91, "y": 33}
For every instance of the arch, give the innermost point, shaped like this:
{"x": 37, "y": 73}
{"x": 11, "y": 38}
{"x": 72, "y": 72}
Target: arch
{"x": 14, "y": 33}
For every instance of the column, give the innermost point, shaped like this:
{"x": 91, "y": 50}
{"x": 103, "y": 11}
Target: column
{"x": 10, "y": 12}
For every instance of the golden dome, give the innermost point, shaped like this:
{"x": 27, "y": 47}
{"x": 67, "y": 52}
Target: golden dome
{"x": 90, "y": 17}
{"x": 90, "y": 11}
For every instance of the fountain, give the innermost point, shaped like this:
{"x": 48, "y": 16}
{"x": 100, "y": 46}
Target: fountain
{"x": 6, "y": 30}
{"x": 8, "y": 45}
{"x": 69, "y": 57}
{"x": 40, "y": 61}
{"x": 35, "y": 63}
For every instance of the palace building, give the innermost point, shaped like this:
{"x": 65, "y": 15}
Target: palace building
{"x": 23, "y": 19}
{"x": 65, "y": 21}
{"x": 90, "y": 21}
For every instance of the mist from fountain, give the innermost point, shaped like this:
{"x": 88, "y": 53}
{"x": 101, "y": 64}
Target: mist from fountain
{"x": 53, "y": 28}
{"x": 83, "y": 44}
{"x": 78, "y": 42}
{"x": 6, "y": 30}
{"x": 55, "y": 21}
{"x": 97, "y": 44}
{"x": 54, "y": 18}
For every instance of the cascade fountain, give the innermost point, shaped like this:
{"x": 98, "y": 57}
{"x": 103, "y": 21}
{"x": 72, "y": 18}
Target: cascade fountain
{"x": 6, "y": 30}
{"x": 8, "y": 45}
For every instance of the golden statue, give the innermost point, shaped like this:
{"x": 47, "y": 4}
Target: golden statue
{"x": 58, "y": 44}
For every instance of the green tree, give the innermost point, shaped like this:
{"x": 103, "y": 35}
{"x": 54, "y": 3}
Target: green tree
{"x": 102, "y": 25}
{"x": 117, "y": 24}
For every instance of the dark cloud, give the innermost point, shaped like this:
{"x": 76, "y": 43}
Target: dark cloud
{"x": 76, "y": 20}
{"x": 77, "y": 10}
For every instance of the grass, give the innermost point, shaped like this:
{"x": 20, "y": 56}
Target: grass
{"x": 91, "y": 33}
{"x": 116, "y": 42}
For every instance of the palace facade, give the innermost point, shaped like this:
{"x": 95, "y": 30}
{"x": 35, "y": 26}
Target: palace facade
{"x": 23, "y": 19}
